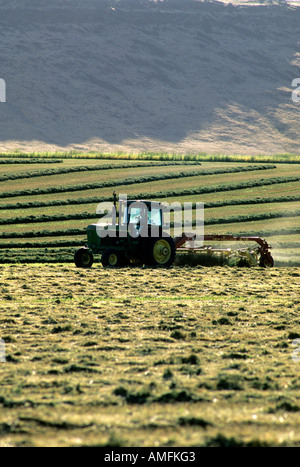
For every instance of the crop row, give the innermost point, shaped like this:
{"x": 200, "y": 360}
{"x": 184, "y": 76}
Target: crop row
{"x": 286, "y": 158}
{"x": 249, "y": 201}
{"x": 216, "y": 188}
{"x": 45, "y": 218}
{"x": 66, "y": 255}
{"x": 96, "y": 200}
{"x": 82, "y": 232}
{"x": 246, "y": 218}
{"x": 44, "y": 233}
{"x": 132, "y": 181}
{"x": 89, "y": 168}
{"x": 82, "y": 241}
{"x": 40, "y": 255}
{"x": 43, "y": 245}
{"x": 61, "y": 218}
{"x": 252, "y": 217}
{"x": 285, "y": 245}
{"x": 30, "y": 161}
{"x": 87, "y": 215}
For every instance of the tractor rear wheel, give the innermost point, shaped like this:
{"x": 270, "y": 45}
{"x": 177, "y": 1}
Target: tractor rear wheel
{"x": 83, "y": 258}
{"x": 161, "y": 251}
{"x": 112, "y": 258}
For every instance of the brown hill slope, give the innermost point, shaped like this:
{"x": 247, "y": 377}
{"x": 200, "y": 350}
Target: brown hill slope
{"x": 182, "y": 76}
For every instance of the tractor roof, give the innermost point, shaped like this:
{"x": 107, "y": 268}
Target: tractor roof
{"x": 147, "y": 202}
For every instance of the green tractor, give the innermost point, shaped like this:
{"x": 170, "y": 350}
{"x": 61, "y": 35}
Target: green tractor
{"x": 138, "y": 238}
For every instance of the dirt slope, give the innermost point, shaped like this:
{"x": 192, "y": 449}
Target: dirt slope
{"x": 182, "y": 76}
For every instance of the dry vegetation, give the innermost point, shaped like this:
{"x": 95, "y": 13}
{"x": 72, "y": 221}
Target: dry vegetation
{"x": 146, "y": 357}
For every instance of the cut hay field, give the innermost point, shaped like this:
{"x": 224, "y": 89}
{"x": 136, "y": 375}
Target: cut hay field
{"x": 55, "y": 196}
{"x": 149, "y": 357}
{"x": 185, "y": 356}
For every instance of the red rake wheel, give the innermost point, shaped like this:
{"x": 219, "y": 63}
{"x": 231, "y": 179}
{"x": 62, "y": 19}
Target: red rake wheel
{"x": 266, "y": 261}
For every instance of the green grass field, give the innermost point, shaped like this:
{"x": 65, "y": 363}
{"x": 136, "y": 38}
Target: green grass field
{"x": 58, "y": 193}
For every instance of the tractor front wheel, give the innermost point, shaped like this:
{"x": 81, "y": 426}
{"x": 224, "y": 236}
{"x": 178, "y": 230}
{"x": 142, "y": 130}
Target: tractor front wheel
{"x": 83, "y": 258}
{"x": 112, "y": 258}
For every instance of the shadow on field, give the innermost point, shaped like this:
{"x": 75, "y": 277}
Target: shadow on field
{"x": 165, "y": 71}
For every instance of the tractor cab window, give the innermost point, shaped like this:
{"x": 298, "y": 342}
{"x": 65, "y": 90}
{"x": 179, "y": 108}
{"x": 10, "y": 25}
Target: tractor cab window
{"x": 154, "y": 217}
{"x": 136, "y": 214}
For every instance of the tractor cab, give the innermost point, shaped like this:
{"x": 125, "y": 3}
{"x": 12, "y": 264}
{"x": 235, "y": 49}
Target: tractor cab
{"x": 141, "y": 213}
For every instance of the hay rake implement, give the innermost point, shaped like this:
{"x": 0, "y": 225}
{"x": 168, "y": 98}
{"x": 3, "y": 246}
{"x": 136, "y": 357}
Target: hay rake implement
{"x": 258, "y": 255}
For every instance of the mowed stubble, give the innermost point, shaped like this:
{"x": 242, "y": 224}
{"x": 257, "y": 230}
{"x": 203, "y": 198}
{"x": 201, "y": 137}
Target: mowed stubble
{"x": 180, "y": 356}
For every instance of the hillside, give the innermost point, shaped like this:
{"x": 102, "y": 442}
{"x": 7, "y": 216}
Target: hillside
{"x": 142, "y": 75}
